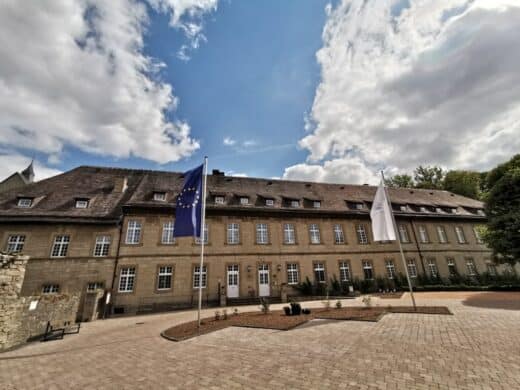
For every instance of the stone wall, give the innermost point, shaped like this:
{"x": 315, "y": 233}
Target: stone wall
{"x": 25, "y": 317}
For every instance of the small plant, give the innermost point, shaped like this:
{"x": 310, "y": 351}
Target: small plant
{"x": 224, "y": 314}
{"x": 326, "y": 303}
{"x": 338, "y": 304}
{"x": 367, "y": 301}
{"x": 235, "y": 311}
{"x": 306, "y": 311}
{"x": 287, "y": 310}
{"x": 265, "y": 305}
{"x": 217, "y": 315}
{"x": 296, "y": 309}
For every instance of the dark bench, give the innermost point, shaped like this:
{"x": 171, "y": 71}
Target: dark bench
{"x": 52, "y": 333}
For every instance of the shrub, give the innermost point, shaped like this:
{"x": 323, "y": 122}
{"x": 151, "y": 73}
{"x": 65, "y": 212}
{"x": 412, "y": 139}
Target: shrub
{"x": 367, "y": 301}
{"x": 306, "y": 311}
{"x": 296, "y": 309}
{"x": 338, "y": 304}
{"x": 335, "y": 286}
{"x": 264, "y": 302}
{"x": 305, "y": 287}
{"x": 326, "y": 304}
{"x": 287, "y": 310}
{"x": 235, "y": 311}
{"x": 224, "y": 314}
{"x": 217, "y": 315}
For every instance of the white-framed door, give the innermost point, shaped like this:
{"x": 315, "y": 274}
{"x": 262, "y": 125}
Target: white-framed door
{"x": 263, "y": 280}
{"x": 232, "y": 281}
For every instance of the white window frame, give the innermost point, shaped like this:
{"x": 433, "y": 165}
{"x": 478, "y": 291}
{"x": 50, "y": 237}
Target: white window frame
{"x": 159, "y": 196}
{"x": 367, "y": 266}
{"x": 423, "y": 234}
{"x": 262, "y": 234}
{"x": 25, "y": 203}
{"x": 339, "y": 236}
{"x": 412, "y": 268}
{"x": 293, "y": 274}
{"x": 314, "y": 233}
{"x": 15, "y": 243}
{"x": 461, "y": 237}
{"x": 52, "y": 288}
{"x": 133, "y": 232}
{"x": 269, "y": 202}
{"x": 471, "y": 267}
{"x": 361, "y": 233}
{"x": 478, "y": 237}
{"x": 432, "y": 266}
{"x": 491, "y": 269}
{"x": 295, "y": 203}
{"x": 316, "y": 204}
{"x": 358, "y": 206}
{"x": 164, "y": 274}
{"x": 219, "y": 199}
{"x": 205, "y": 235}
{"x": 390, "y": 268}
{"x": 344, "y": 271}
{"x": 168, "y": 233}
{"x": 289, "y": 234}
{"x": 441, "y": 234}
{"x": 102, "y": 246}
{"x": 244, "y": 200}
{"x": 319, "y": 269}
{"x": 450, "y": 261}
{"x": 233, "y": 233}
{"x": 403, "y": 234}
{"x": 94, "y": 286}
{"x": 82, "y": 203}
{"x": 126, "y": 279}
{"x": 197, "y": 276}
{"x": 403, "y": 208}
{"x": 60, "y": 246}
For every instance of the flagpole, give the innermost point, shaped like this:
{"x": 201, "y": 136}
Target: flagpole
{"x": 202, "y": 238}
{"x": 398, "y": 237}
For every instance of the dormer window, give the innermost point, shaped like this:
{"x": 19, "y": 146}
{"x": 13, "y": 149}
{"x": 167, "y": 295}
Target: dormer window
{"x": 244, "y": 200}
{"x": 295, "y": 203}
{"x": 481, "y": 212}
{"x": 316, "y": 204}
{"x": 81, "y": 203}
{"x": 403, "y": 208}
{"x": 423, "y": 209}
{"x": 453, "y": 211}
{"x": 159, "y": 196}
{"x": 25, "y": 202}
{"x": 269, "y": 202}
{"x": 219, "y": 199}
{"x": 438, "y": 210}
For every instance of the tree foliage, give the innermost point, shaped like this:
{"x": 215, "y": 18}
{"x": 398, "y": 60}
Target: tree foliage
{"x": 400, "y": 181}
{"x": 503, "y": 211}
{"x": 429, "y": 177}
{"x": 465, "y": 183}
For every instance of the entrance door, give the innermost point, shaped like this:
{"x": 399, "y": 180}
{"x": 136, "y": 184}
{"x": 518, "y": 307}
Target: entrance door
{"x": 263, "y": 280}
{"x": 232, "y": 281}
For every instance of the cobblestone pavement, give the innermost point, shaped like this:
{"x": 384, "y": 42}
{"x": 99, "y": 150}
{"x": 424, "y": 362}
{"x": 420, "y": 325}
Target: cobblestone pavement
{"x": 476, "y": 348}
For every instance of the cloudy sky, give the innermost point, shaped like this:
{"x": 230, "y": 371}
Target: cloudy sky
{"x": 308, "y": 89}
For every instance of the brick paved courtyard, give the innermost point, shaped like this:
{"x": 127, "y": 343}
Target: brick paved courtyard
{"x": 476, "y": 348}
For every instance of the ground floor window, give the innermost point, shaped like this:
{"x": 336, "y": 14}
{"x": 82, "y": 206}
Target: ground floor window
{"x": 127, "y": 279}
{"x": 198, "y": 276}
{"x": 432, "y": 265}
{"x": 390, "y": 269}
{"x": 50, "y": 288}
{"x": 292, "y": 274}
{"x": 367, "y": 270}
{"x": 412, "y": 268}
{"x": 452, "y": 267}
{"x": 319, "y": 272}
{"x": 94, "y": 286}
{"x": 344, "y": 271}
{"x": 470, "y": 265}
{"x": 164, "y": 278}
{"x": 492, "y": 269}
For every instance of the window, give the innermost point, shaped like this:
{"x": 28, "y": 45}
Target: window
{"x": 233, "y": 233}
{"x": 15, "y": 243}
{"x": 423, "y": 234}
{"x": 461, "y": 238}
{"x": 292, "y": 274}
{"x": 289, "y": 235}
{"x": 102, "y": 246}
{"x": 339, "y": 237}
{"x": 205, "y": 235}
{"x": 432, "y": 266}
{"x": 168, "y": 230}
{"x": 319, "y": 272}
{"x": 452, "y": 267}
{"x": 438, "y": 210}
{"x": 94, "y": 286}
{"x": 164, "y": 278}
{"x": 403, "y": 208}
{"x": 197, "y": 276}
{"x": 412, "y": 268}
{"x": 481, "y": 212}
{"x": 358, "y": 206}
{"x": 314, "y": 233}
{"x": 316, "y": 204}
{"x": 127, "y": 279}
{"x": 262, "y": 236}
{"x": 269, "y": 202}
{"x": 133, "y": 232}
{"x": 344, "y": 271}
{"x": 50, "y": 288}
{"x": 423, "y": 209}
{"x": 508, "y": 269}
{"x": 492, "y": 269}
{"x": 160, "y": 196}
{"x": 390, "y": 269}
{"x": 295, "y": 203}
{"x": 403, "y": 234}
{"x": 367, "y": 270}
{"x": 478, "y": 236}
{"x": 244, "y": 200}
{"x": 361, "y": 234}
{"x": 470, "y": 265}
{"x": 453, "y": 211}
{"x": 81, "y": 203}
{"x": 25, "y": 202}
{"x": 60, "y": 246}
{"x": 219, "y": 199}
{"x": 441, "y": 234}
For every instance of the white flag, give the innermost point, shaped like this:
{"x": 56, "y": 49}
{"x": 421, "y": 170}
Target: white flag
{"x": 381, "y": 215}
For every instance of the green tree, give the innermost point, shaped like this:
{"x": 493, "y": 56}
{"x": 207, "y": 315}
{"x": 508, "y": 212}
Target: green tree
{"x": 465, "y": 183}
{"x": 400, "y": 181}
{"x": 429, "y": 177}
{"x": 503, "y": 211}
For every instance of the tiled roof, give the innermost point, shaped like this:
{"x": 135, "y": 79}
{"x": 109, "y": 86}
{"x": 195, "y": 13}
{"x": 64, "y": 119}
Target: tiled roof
{"x": 55, "y": 197}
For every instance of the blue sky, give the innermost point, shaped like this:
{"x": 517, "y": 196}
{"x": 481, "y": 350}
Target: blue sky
{"x": 330, "y": 91}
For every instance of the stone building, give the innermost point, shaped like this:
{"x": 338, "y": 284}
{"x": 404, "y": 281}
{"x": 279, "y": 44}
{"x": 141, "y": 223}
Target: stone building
{"x": 93, "y": 229}
{"x": 18, "y": 179}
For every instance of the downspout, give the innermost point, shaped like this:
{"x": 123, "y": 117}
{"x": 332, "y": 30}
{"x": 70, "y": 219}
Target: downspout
{"x": 116, "y": 263}
{"x": 418, "y": 248}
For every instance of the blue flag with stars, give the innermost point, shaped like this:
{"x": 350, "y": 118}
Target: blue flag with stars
{"x": 188, "y": 210}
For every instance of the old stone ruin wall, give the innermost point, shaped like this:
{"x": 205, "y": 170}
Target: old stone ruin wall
{"x": 23, "y": 318}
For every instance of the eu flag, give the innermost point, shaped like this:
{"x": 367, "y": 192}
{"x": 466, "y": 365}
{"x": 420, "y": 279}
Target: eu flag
{"x": 188, "y": 211}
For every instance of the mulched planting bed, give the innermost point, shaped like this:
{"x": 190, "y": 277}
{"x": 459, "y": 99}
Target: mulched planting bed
{"x": 390, "y": 295}
{"x": 279, "y": 321}
{"x": 495, "y": 300}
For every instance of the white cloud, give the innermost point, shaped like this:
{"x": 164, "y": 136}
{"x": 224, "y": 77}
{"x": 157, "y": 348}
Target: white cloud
{"x": 74, "y": 73}
{"x": 236, "y": 174}
{"x": 414, "y": 82}
{"x": 228, "y": 141}
{"x": 11, "y": 162}
{"x": 249, "y": 143}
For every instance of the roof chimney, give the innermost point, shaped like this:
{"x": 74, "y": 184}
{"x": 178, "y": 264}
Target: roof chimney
{"x": 216, "y": 172}
{"x": 120, "y": 184}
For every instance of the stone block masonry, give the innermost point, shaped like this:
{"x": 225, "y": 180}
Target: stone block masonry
{"x": 25, "y": 317}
